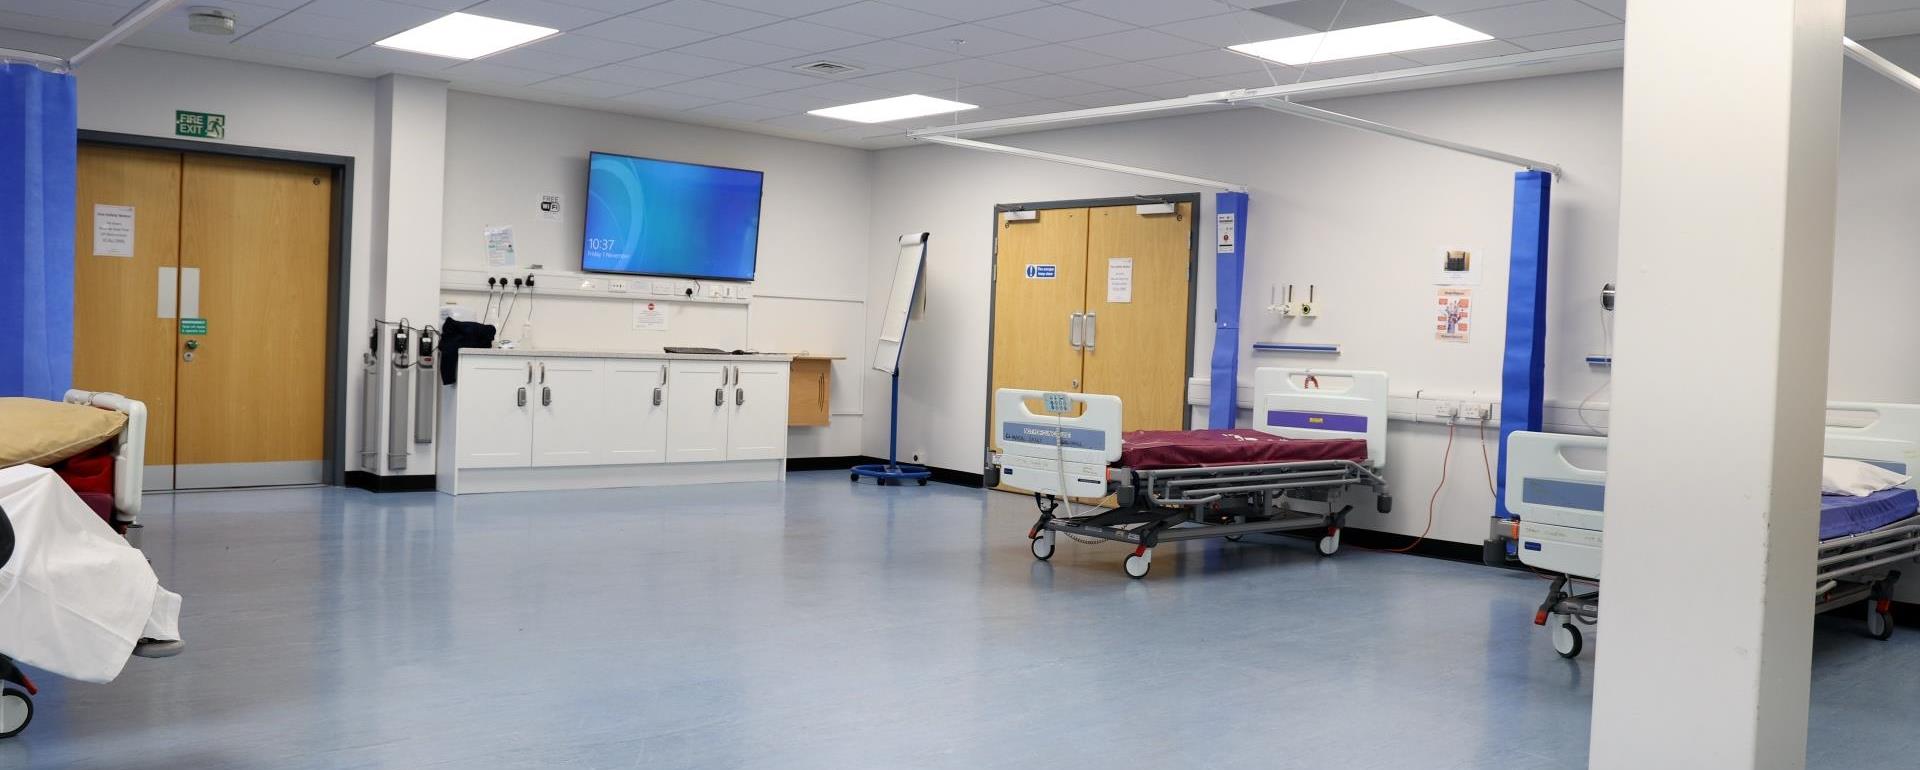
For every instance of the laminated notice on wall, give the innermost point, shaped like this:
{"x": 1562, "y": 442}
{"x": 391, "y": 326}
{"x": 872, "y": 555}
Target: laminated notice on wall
{"x": 1223, "y": 233}
{"x": 499, "y": 246}
{"x": 1120, "y": 279}
{"x": 649, "y": 317}
{"x": 1453, "y": 319}
{"x": 549, "y": 208}
{"x": 112, "y": 230}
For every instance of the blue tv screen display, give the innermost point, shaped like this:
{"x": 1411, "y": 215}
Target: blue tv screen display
{"x": 657, "y": 217}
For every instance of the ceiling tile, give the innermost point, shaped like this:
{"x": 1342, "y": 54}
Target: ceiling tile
{"x": 1148, "y": 13}
{"x": 541, "y": 61}
{"x": 1445, "y": 7}
{"x": 1601, "y": 34}
{"x": 705, "y": 16}
{"x": 978, "y": 71}
{"x": 739, "y": 111}
{"x": 1534, "y": 18}
{"x": 806, "y": 36}
{"x": 541, "y": 12}
{"x": 1137, "y": 44}
{"x": 768, "y": 78}
{"x": 246, "y": 17}
{"x": 598, "y": 89}
{"x": 636, "y": 77}
{"x": 1618, "y": 8}
{"x": 1040, "y": 107}
{"x": 1884, "y": 24}
{"x": 647, "y": 33}
{"x": 887, "y": 54}
{"x": 1052, "y": 86}
{"x": 665, "y": 100}
{"x": 597, "y": 50}
{"x": 1106, "y": 98}
{"x": 1207, "y": 63}
{"x": 1128, "y": 75}
{"x": 879, "y": 19}
{"x": 794, "y": 101}
{"x": 986, "y": 96}
{"x": 789, "y": 8}
{"x": 1347, "y": 67}
{"x": 978, "y": 40}
{"x": 909, "y": 82}
{"x": 1181, "y": 88}
{"x": 969, "y": 10}
{"x": 487, "y": 72}
{"x": 718, "y": 90}
{"x": 288, "y": 5}
{"x": 1454, "y": 53}
{"x": 610, "y": 6}
{"x": 685, "y": 64}
{"x": 1056, "y": 24}
{"x": 805, "y": 122}
{"x": 381, "y": 21}
{"x": 297, "y": 44}
{"x": 399, "y": 61}
{"x": 1053, "y": 58}
{"x": 740, "y": 50}
{"x": 69, "y": 10}
{"x": 1232, "y": 29}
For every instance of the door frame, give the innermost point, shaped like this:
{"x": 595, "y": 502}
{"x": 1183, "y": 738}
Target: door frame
{"x": 993, "y": 289}
{"x": 339, "y": 270}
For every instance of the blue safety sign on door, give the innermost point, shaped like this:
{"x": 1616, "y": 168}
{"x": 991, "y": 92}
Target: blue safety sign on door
{"x": 1041, "y": 271}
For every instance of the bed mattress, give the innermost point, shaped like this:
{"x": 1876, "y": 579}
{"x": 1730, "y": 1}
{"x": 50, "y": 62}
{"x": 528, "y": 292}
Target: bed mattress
{"x": 1154, "y": 449}
{"x": 1842, "y": 515}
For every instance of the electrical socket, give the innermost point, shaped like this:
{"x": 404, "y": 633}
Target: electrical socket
{"x": 1475, "y": 411}
{"x": 617, "y": 286}
{"x": 1444, "y": 410}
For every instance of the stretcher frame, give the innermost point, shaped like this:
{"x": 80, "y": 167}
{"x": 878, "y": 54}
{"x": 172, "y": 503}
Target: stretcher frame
{"x": 1173, "y": 504}
{"x": 1850, "y": 568}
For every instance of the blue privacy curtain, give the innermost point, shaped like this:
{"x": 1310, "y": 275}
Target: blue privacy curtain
{"x": 38, "y": 138}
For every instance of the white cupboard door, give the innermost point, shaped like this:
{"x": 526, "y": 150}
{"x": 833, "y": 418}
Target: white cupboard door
{"x": 567, "y": 422}
{"x": 758, "y": 397}
{"x": 494, "y": 402}
{"x": 636, "y": 412}
{"x": 698, "y": 404}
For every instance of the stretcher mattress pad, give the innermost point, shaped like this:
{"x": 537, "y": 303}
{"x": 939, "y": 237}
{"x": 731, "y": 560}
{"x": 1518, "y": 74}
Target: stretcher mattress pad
{"x": 1157, "y": 449}
{"x": 1842, "y": 515}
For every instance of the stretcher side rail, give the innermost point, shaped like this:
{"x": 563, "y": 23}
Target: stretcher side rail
{"x": 1187, "y": 487}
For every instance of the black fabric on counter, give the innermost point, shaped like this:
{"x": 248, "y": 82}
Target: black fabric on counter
{"x": 455, "y": 335}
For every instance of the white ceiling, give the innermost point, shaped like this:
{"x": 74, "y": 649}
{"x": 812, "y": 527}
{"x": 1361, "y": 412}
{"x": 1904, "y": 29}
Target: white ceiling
{"x": 731, "y": 62}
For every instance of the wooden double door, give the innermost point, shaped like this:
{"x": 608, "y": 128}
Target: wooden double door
{"x": 1097, "y": 300}
{"x": 201, "y": 288}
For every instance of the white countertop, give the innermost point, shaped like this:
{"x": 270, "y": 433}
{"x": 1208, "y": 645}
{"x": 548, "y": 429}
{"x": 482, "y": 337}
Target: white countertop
{"x": 656, "y": 355}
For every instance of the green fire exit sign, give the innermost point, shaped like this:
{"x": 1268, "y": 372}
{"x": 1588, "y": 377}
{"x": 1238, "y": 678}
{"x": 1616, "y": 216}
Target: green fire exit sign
{"x": 205, "y": 125}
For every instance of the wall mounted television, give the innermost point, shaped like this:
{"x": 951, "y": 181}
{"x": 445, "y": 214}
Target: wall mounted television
{"x": 659, "y": 217}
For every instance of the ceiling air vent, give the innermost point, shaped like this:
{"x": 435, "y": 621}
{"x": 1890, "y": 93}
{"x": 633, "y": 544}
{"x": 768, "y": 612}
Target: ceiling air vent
{"x": 827, "y": 68}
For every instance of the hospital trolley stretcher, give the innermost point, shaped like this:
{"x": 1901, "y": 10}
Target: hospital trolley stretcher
{"x": 1558, "y": 507}
{"x": 1199, "y": 485}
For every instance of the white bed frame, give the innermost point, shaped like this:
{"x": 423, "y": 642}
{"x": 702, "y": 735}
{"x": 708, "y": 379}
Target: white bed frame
{"x": 1556, "y": 487}
{"x": 130, "y": 450}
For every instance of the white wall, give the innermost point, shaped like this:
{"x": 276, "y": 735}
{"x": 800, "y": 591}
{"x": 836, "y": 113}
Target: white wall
{"x": 811, "y": 282}
{"x": 1354, "y": 214}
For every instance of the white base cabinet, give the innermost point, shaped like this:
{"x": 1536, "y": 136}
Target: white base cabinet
{"x": 527, "y": 420}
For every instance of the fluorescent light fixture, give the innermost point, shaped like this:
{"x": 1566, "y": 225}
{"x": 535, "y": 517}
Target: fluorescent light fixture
{"x": 466, "y": 36}
{"x": 895, "y": 108}
{"x": 1370, "y": 40}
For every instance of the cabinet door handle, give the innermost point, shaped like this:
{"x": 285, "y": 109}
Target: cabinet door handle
{"x": 529, "y": 372}
{"x": 823, "y": 391}
{"x": 543, "y": 372}
{"x": 656, "y": 396}
{"x": 521, "y": 400}
{"x": 1093, "y": 326}
{"x": 663, "y": 374}
{"x": 546, "y": 396}
{"x": 739, "y": 396}
{"x": 719, "y": 396}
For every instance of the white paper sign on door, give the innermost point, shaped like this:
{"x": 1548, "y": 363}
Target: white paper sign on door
{"x": 649, "y": 317}
{"x": 1120, "y": 279}
{"x": 112, "y": 230}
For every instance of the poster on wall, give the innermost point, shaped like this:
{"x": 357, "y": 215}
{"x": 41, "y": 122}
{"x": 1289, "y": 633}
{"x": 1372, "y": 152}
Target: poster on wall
{"x": 499, "y": 246}
{"x": 1453, "y": 320}
{"x": 1120, "y": 279}
{"x": 1456, "y": 266}
{"x": 549, "y": 208}
{"x": 112, "y": 230}
{"x": 649, "y": 317}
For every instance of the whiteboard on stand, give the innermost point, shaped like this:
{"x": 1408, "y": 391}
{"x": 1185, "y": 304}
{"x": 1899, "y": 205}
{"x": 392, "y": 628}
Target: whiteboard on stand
{"x": 908, "y": 298}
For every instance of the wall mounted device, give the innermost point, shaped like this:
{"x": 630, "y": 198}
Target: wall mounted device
{"x": 1606, "y": 296}
{"x": 400, "y": 396}
{"x": 370, "y": 401}
{"x": 426, "y": 387}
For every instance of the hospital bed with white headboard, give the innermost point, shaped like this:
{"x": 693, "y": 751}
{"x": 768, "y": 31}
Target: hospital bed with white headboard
{"x": 1557, "y": 486}
{"x": 1316, "y": 435}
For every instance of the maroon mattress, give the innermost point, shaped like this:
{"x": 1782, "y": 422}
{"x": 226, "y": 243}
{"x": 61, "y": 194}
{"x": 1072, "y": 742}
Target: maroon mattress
{"x": 1150, "y": 449}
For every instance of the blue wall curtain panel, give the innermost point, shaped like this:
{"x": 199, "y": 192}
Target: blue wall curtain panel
{"x": 38, "y": 144}
{"x": 1523, "y": 368}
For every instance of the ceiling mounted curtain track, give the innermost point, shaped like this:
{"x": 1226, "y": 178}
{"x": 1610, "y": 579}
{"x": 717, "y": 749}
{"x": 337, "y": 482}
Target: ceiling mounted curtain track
{"x": 41, "y": 60}
{"x": 1878, "y": 63}
{"x": 125, "y": 28}
{"x": 1071, "y": 160}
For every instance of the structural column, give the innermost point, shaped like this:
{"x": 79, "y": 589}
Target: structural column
{"x": 1731, "y": 118}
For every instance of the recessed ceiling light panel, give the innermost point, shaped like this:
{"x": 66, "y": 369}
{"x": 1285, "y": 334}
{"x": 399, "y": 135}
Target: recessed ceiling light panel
{"x": 1371, "y": 40}
{"x": 466, "y": 36}
{"x": 895, "y": 108}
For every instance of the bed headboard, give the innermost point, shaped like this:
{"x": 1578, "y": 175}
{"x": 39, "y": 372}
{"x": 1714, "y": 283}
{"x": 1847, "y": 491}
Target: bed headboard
{"x": 1555, "y": 478}
{"x": 1323, "y": 404}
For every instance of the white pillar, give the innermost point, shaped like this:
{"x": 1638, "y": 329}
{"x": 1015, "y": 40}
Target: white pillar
{"x": 409, "y": 192}
{"x": 1731, "y": 119}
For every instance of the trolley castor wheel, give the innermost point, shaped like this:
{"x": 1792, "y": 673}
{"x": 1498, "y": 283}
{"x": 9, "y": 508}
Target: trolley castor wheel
{"x": 1330, "y": 543}
{"x": 1567, "y": 640}
{"x": 1233, "y": 538}
{"x": 16, "y": 710}
{"x": 1383, "y": 503}
{"x": 1043, "y": 546}
{"x": 1879, "y": 621}
{"x": 853, "y": 477}
{"x": 1137, "y": 564}
{"x": 923, "y": 482}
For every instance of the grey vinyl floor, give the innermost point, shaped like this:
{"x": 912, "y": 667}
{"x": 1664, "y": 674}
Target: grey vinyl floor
{"x": 815, "y": 624}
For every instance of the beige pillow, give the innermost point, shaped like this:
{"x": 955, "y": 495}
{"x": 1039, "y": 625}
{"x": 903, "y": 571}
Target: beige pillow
{"x": 38, "y": 432}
